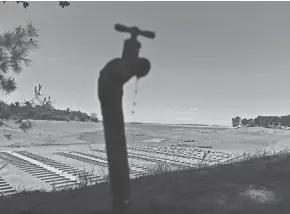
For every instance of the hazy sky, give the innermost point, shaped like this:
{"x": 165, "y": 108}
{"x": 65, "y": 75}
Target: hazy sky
{"x": 211, "y": 61}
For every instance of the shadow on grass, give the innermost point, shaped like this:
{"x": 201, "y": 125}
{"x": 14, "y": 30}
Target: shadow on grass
{"x": 257, "y": 184}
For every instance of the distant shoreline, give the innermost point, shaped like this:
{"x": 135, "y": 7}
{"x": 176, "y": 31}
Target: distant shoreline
{"x": 173, "y": 124}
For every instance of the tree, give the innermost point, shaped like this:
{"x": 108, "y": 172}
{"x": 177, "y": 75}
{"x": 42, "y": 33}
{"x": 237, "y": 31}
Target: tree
{"x": 258, "y": 121}
{"x": 264, "y": 121}
{"x": 251, "y": 122}
{"x": 244, "y": 122}
{"x": 94, "y": 118}
{"x": 67, "y": 111}
{"x": 15, "y": 47}
{"x": 236, "y": 121}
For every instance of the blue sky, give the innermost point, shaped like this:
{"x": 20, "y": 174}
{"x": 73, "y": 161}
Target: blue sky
{"x": 211, "y": 61}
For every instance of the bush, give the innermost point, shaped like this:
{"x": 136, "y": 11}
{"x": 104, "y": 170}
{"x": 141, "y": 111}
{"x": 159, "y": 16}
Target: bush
{"x": 95, "y": 120}
{"x": 59, "y": 118}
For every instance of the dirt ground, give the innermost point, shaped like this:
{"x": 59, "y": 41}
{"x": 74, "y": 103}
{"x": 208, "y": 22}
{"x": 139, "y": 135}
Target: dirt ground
{"x": 53, "y": 134}
{"x": 259, "y": 186}
{"x": 48, "y": 133}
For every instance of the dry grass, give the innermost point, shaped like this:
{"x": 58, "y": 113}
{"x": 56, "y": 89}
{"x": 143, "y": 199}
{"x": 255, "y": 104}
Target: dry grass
{"x": 46, "y": 133}
{"x": 258, "y": 184}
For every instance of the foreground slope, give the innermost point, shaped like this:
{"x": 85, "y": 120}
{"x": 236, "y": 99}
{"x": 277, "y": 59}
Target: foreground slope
{"x": 254, "y": 186}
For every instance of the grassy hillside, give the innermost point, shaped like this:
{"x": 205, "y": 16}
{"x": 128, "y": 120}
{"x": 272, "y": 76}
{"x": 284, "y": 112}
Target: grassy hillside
{"x": 255, "y": 186}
